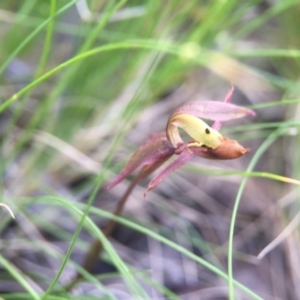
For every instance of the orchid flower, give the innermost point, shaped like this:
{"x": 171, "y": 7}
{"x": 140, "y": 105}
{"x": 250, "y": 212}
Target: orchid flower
{"x": 206, "y": 142}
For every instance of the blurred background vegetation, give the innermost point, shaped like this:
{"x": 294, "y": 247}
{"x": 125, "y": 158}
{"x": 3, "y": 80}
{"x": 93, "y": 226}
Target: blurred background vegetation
{"x": 83, "y": 84}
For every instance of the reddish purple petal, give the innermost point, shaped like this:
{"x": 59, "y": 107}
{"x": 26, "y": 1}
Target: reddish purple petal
{"x": 155, "y": 150}
{"x": 218, "y": 124}
{"x": 214, "y": 110}
{"x": 229, "y": 94}
{"x": 181, "y": 160}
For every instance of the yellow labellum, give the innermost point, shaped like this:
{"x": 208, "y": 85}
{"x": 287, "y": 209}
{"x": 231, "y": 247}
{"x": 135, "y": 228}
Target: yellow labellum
{"x": 197, "y": 129}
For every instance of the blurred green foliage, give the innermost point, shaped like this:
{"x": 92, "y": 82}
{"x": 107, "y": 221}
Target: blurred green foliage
{"x": 92, "y": 79}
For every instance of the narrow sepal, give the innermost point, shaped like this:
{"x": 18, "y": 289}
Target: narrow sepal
{"x": 156, "y": 149}
{"x": 214, "y": 110}
{"x": 181, "y": 160}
